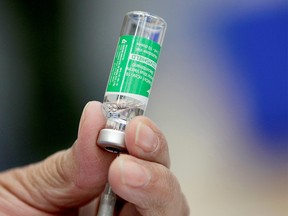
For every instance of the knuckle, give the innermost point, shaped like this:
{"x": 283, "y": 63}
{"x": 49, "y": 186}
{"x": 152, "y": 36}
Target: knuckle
{"x": 169, "y": 186}
{"x": 168, "y": 199}
{"x": 162, "y": 151}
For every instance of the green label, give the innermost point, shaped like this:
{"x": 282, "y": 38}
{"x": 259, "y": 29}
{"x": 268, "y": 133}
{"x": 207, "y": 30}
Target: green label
{"x": 134, "y": 65}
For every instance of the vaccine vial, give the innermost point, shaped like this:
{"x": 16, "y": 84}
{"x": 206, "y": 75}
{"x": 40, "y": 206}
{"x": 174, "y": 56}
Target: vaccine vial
{"x": 131, "y": 75}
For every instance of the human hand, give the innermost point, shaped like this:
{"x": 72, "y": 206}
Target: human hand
{"x": 69, "y": 179}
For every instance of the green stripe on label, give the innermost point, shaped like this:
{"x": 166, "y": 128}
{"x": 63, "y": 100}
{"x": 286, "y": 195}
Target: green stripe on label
{"x": 134, "y": 65}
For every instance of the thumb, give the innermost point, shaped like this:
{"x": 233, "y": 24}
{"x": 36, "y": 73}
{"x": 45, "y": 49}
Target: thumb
{"x": 68, "y": 178}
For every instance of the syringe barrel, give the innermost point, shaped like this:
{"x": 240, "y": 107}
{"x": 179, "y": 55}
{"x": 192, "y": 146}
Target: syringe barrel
{"x": 107, "y": 202}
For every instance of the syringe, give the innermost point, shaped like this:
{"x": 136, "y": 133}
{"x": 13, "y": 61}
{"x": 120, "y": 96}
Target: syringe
{"x": 129, "y": 85}
{"x": 107, "y": 202}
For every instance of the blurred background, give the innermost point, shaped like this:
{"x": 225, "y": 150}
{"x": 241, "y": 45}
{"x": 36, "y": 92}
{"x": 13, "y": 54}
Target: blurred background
{"x": 220, "y": 93}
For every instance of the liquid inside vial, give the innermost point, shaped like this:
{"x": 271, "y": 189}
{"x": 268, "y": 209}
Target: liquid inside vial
{"x": 120, "y": 109}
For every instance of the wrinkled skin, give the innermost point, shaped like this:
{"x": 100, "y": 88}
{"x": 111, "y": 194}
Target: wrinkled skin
{"x": 69, "y": 179}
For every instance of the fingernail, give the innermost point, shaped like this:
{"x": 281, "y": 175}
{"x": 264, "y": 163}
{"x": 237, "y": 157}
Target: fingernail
{"x": 82, "y": 119}
{"x": 146, "y": 138}
{"x": 133, "y": 174}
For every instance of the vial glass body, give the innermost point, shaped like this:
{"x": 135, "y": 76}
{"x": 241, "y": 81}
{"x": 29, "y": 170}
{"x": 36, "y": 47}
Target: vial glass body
{"x": 131, "y": 75}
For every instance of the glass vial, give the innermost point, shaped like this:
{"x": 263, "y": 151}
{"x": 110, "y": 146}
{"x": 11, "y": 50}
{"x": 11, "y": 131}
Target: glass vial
{"x": 131, "y": 75}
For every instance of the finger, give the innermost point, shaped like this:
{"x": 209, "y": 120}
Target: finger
{"x": 145, "y": 140}
{"x": 68, "y": 178}
{"x": 129, "y": 209}
{"x": 150, "y": 186}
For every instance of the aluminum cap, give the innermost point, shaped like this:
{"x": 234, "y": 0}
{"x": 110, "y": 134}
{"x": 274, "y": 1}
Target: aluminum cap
{"x": 112, "y": 140}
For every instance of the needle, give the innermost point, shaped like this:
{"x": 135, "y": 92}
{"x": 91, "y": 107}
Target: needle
{"x": 108, "y": 200}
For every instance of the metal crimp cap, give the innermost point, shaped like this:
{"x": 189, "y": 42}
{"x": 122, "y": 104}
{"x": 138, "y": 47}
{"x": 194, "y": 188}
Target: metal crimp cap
{"x": 111, "y": 140}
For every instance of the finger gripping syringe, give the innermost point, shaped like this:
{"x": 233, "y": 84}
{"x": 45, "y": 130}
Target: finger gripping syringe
{"x": 129, "y": 85}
